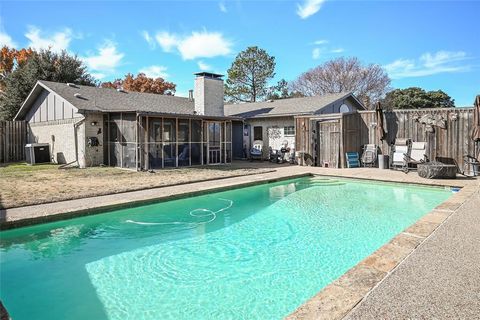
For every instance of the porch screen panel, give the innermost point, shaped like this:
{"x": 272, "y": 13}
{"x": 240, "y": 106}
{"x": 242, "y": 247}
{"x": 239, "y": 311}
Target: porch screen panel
{"x": 115, "y": 139}
{"x": 205, "y": 143}
{"x": 183, "y": 142}
{"x": 214, "y": 142}
{"x": 129, "y": 140}
{"x": 105, "y": 143}
{"x": 222, "y": 141}
{"x": 228, "y": 142}
{"x": 170, "y": 142}
{"x": 155, "y": 148}
{"x": 196, "y": 143}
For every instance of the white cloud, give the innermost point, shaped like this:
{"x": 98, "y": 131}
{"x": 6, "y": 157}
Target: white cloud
{"x": 338, "y": 50}
{"x": 106, "y": 61}
{"x": 442, "y": 57}
{"x": 428, "y": 64}
{"x": 57, "y": 41}
{"x": 222, "y": 7}
{"x": 150, "y": 40}
{"x": 203, "y": 66}
{"x": 308, "y": 8}
{"x": 155, "y": 72}
{"x": 167, "y": 41}
{"x": 199, "y": 44}
{"x": 6, "y": 40}
{"x": 320, "y": 42}
{"x": 204, "y": 45}
{"x": 316, "y": 53}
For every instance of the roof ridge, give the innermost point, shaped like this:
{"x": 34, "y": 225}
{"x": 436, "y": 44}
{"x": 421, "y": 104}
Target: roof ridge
{"x": 46, "y": 82}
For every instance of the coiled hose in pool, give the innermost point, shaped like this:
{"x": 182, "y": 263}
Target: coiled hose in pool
{"x": 197, "y": 213}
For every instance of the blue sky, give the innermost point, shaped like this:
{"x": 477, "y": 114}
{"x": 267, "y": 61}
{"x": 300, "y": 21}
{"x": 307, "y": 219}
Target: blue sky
{"x": 430, "y": 44}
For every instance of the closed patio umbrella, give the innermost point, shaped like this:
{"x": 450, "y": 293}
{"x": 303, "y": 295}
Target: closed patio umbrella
{"x": 380, "y": 124}
{"x": 476, "y": 125}
{"x": 476, "y": 120}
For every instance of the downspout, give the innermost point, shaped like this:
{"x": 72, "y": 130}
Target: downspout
{"x": 75, "y": 126}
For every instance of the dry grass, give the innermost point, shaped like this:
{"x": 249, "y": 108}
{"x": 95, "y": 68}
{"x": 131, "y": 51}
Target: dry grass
{"x": 22, "y": 185}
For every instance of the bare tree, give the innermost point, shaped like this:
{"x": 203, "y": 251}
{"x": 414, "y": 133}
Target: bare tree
{"x": 369, "y": 83}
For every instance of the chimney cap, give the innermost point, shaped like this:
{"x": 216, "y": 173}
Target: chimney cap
{"x": 209, "y": 75}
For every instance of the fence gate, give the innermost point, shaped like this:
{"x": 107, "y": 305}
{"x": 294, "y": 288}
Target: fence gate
{"x": 13, "y": 136}
{"x": 328, "y": 151}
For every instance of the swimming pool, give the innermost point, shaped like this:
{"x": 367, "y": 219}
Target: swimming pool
{"x": 251, "y": 253}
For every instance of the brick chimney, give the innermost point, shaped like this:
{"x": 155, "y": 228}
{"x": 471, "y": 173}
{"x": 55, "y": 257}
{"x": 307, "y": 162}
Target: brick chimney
{"x": 208, "y": 94}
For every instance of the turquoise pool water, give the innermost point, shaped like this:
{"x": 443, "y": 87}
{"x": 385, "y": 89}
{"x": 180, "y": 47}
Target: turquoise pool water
{"x": 250, "y": 253}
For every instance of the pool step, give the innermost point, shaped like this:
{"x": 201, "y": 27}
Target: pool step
{"x": 316, "y": 182}
{"x": 324, "y": 181}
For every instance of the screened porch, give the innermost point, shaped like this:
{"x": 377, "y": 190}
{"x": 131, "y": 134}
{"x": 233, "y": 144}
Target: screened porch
{"x": 139, "y": 141}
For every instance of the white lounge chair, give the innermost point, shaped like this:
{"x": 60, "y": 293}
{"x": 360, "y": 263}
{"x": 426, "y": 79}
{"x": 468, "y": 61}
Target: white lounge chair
{"x": 401, "y": 152}
{"x": 418, "y": 154}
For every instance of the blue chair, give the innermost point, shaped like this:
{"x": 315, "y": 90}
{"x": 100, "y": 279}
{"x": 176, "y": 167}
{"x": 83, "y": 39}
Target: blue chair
{"x": 257, "y": 150}
{"x": 353, "y": 160}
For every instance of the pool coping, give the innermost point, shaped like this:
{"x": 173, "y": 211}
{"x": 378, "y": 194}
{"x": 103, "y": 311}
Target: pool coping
{"x": 98, "y": 209}
{"x": 340, "y": 297}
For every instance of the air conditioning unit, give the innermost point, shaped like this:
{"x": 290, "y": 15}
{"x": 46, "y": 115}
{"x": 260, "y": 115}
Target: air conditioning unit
{"x": 37, "y": 153}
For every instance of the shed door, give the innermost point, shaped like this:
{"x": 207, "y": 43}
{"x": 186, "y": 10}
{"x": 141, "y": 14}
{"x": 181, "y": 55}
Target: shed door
{"x": 328, "y": 152}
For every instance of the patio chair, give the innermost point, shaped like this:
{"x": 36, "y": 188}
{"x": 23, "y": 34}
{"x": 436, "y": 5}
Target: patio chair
{"x": 353, "y": 160}
{"x": 257, "y": 150}
{"x": 417, "y": 155}
{"x": 369, "y": 155}
{"x": 401, "y": 152}
{"x": 273, "y": 155}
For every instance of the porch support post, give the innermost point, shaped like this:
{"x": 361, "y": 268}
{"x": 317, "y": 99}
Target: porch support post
{"x": 147, "y": 146}
{"x": 137, "y": 119}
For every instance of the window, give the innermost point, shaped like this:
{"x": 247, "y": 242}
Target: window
{"x": 289, "y": 131}
{"x": 257, "y": 133}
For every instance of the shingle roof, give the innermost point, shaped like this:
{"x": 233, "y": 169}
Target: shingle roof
{"x": 283, "y": 107}
{"x": 111, "y": 100}
{"x": 108, "y": 100}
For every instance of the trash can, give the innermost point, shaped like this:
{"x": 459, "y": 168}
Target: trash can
{"x": 299, "y": 158}
{"x": 383, "y": 161}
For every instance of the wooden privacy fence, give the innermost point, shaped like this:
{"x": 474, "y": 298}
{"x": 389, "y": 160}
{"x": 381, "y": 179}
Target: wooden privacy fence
{"x": 13, "y": 137}
{"x": 357, "y": 129}
{"x": 452, "y": 142}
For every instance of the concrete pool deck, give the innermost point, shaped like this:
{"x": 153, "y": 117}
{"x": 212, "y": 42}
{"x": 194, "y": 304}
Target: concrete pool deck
{"x": 366, "y": 290}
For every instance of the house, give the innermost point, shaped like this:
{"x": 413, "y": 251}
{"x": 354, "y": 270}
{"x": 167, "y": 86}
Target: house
{"x": 273, "y": 121}
{"x": 91, "y": 126}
